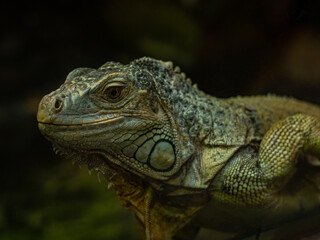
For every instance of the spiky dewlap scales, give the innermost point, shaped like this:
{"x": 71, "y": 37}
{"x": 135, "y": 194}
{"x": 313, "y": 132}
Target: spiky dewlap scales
{"x": 179, "y": 157}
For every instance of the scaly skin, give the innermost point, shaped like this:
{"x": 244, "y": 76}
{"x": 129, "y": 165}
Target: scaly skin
{"x": 176, "y": 156}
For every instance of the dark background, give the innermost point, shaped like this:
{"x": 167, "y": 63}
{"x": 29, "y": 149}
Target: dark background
{"x": 228, "y": 47}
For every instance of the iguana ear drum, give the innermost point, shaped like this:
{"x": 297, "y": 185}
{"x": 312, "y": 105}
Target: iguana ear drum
{"x": 162, "y": 156}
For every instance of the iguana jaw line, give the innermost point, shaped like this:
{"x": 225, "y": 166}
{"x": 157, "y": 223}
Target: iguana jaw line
{"x": 100, "y": 121}
{"x": 93, "y": 159}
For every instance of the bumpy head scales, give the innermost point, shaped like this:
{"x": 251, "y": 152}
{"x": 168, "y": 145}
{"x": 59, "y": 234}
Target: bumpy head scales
{"x": 125, "y": 113}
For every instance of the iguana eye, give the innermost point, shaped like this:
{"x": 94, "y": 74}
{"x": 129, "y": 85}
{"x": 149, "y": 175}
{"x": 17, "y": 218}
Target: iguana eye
{"x": 114, "y": 93}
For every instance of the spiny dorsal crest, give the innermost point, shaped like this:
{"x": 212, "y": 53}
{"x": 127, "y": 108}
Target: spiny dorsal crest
{"x": 108, "y": 66}
{"x": 161, "y": 70}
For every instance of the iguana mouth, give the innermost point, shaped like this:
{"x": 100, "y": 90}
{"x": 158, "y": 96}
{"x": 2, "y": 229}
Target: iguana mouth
{"x": 95, "y": 122}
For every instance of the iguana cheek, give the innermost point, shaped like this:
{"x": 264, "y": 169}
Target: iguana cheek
{"x": 156, "y": 152}
{"x": 162, "y": 156}
{"x": 130, "y": 150}
{"x": 144, "y": 151}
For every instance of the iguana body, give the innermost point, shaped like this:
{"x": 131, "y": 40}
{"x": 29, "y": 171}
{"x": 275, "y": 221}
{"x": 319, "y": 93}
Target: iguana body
{"x": 174, "y": 154}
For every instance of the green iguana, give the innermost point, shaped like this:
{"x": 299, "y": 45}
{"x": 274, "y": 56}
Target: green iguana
{"x": 178, "y": 157}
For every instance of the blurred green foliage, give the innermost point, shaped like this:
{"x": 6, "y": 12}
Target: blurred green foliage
{"x": 160, "y": 29}
{"x": 64, "y": 202}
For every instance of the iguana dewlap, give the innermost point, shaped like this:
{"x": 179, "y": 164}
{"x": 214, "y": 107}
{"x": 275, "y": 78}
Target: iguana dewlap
{"x": 176, "y": 155}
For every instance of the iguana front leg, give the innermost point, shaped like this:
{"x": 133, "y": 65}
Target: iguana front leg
{"x": 253, "y": 179}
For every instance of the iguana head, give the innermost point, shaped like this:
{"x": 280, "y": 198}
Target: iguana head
{"x": 123, "y": 113}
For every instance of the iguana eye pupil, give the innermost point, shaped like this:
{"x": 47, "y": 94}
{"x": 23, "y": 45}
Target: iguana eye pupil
{"x": 114, "y": 93}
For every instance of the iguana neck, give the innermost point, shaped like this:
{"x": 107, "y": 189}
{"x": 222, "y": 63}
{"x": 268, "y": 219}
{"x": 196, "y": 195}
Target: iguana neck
{"x": 207, "y": 120}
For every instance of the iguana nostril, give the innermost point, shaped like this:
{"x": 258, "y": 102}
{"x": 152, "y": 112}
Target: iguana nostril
{"x": 58, "y": 105}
